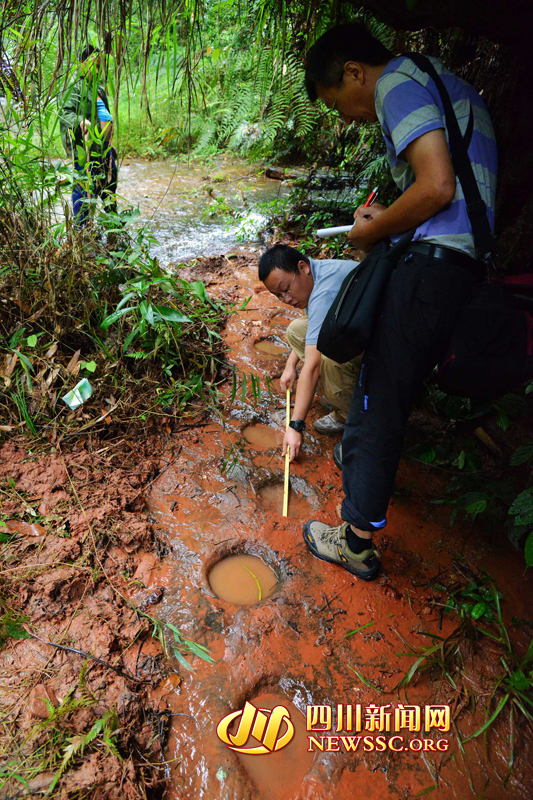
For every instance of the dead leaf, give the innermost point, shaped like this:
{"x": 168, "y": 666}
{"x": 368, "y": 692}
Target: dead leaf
{"x": 51, "y": 351}
{"x": 11, "y": 365}
{"x": 73, "y": 361}
{"x": 51, "y": 378}
{"x": 21, "y": 305}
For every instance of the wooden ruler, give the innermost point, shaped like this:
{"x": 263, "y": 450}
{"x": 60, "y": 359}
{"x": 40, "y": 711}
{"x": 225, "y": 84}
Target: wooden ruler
{"x": 287, "y": 459}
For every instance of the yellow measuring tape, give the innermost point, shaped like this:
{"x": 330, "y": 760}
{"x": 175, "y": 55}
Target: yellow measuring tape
{"x": 287, "y": 459}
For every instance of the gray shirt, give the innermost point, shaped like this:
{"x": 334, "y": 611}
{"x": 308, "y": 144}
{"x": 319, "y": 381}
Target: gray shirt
{"x": 328, "y": 274}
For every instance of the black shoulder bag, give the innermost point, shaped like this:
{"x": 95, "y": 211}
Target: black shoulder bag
{"x": 348, "y": 325}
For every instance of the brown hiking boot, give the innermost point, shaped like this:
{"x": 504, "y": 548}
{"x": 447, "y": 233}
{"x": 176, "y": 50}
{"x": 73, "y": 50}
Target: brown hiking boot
{"x": 330, "y": 544}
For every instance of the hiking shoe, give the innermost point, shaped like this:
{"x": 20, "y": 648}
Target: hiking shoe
{"x": 330, "y": 544}
{"x": 337, "y": 455}
{"x": 328, "y": 424}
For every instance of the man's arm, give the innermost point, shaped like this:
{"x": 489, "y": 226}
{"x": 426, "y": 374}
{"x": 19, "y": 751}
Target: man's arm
{"x": 434, "y": 187}
{"x": 304, "y": 397}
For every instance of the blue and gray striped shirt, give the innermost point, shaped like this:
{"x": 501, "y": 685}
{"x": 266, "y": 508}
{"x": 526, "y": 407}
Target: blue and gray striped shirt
{"x": 408, "y": 105}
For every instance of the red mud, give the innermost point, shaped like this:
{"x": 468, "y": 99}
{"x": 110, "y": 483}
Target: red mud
{"x": 87, "y": 552}
{"x": 69, "y": 573}
{"x": 296, "y": 646}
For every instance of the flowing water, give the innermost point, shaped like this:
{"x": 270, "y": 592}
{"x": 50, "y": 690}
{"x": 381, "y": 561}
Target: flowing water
{"x": 199, "y": 210}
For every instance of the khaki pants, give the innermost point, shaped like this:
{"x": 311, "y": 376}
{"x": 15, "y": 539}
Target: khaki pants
{"x": 338, "y": 380}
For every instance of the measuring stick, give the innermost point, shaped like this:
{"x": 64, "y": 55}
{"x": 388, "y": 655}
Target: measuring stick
{"x": 287, "y": 459}
{"x": 324, "y": 233}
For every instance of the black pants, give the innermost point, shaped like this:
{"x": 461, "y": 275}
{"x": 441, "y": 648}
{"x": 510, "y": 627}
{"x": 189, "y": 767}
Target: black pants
{"x": 415, "y": 321}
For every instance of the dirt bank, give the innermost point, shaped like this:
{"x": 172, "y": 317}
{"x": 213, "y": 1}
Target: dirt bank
{"x": 75, "y": 539}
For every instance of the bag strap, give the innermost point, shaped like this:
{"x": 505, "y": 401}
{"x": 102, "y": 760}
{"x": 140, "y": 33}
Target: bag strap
{"x": 475, "y": 205}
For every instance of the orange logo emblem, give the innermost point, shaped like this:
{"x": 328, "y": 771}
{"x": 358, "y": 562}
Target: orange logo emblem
{"x": 263, "y": 724}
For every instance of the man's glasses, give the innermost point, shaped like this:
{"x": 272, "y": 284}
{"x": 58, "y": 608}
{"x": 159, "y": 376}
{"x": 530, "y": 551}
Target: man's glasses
{"x": 287, "y": 292}
{"x": 334, "y": 108}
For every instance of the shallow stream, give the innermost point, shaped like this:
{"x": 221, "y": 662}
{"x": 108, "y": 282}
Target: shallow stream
{"x": 198, "y": 210}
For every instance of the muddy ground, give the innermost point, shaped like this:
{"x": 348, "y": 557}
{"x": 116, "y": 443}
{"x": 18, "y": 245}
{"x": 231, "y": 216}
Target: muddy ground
{"x": 143, "y": 526}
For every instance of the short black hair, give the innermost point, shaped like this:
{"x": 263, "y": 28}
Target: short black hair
{"x": 88, "y": 51}
{"x": 281, "y": 256}
{"x": 325, "y": 60}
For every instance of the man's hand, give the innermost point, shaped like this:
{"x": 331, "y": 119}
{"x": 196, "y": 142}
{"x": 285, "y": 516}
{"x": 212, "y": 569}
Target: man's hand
{"x": 293, "y": 440}
{"x": 434, "y": 187}
{"x": 361, "y": 235}
{"x": 288, "y": 377}
{"x": 369, "y": 212}
{"x": 85, "y": 127}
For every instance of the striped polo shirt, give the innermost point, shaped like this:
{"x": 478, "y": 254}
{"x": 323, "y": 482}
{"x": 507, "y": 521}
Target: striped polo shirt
{"x": 408, "y": 105}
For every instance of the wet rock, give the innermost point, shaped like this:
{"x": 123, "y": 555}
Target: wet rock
{"x": 36, "y": 701}
{"x": 390, "y": 591}
{"x": 146, "y": 569}
{"x": 274, "y": 173}
{"x": 41, "y": 782}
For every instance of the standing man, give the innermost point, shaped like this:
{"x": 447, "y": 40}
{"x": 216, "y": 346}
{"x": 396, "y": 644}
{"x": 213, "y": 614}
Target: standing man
{"x": 312, "y": 284}
{"x": 87, "y": 131}
{"x": 355, "y": 75}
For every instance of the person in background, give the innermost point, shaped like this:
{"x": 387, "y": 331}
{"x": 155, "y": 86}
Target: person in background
{"x": 87, "y": 131}
{"x": 310, "y": 284}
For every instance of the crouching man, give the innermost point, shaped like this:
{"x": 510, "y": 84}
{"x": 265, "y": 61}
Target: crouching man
{"x": 310, "y": 284}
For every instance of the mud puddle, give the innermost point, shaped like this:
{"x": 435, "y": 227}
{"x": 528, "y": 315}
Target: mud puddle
{"x": 269, "y": 348}
{"x": 270, "y": 498}
{"x": 280, "y": 776}
{"x": 262, "y": 437}
{"x": 242, "y": 580}
{"x": 323, "y": 638}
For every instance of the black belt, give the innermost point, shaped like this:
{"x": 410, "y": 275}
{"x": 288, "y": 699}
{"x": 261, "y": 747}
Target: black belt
{"x": 448, "y": 254}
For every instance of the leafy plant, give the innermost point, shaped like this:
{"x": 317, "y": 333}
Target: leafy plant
{"x": 181, "y": 643}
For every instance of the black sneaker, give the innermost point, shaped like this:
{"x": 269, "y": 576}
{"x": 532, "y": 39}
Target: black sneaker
{"x": 337, "y": 455}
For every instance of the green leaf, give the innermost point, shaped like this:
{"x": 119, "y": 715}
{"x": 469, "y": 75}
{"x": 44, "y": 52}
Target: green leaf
{"x": 114, "y": 316}
{"x": 411, "y": 4}
{"x": 491, "y": 719}
{"x": 478, "y": 610}
{"x": 528, "y": 550}
{"x": 200, "y": 651}
{"x": 519, "y": 681}
{"x": 478, "y": 507}
{"x": 522, "y": 507}
{"x": 460, "y": 460}
{"x": 90, "y": 366}
{"x": 522, "y": 454}
{"x": 26, "y": 363}
{"x": 147, "y": 312}
{"x": 197, "y": 288}
{"x": 428, "y": 457}
{"x": 183, "y": 661}
{"x": 170, "y": 314}
{"x": 31, "y": 341}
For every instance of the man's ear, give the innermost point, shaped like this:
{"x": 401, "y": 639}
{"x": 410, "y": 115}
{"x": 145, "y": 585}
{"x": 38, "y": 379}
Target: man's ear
{"x": 304, "y": 268}
{"x": 355, "y": 71}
